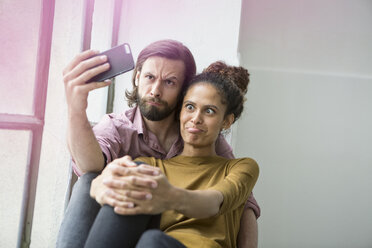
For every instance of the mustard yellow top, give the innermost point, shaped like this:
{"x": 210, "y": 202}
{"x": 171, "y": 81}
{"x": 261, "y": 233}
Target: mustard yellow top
{"x": 234, "y": 178}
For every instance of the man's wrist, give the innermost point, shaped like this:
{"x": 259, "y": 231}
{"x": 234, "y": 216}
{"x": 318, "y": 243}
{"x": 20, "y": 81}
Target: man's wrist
{"x": 75, "y": 115}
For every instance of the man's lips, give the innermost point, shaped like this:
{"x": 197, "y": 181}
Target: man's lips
{"x": 154, "y": 103}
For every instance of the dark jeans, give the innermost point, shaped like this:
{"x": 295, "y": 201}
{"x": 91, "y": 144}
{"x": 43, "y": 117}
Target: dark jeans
{"x": 79, "y": 216}
{"x": 84, "y": 216}
{"x": 113, "y": 230}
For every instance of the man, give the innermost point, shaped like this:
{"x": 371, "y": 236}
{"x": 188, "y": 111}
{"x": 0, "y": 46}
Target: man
{"x": 149, "y": 129}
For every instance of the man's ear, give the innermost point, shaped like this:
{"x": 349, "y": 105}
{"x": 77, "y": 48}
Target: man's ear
{"x": 229, "y": 120}
{"x": 137, "y": 78}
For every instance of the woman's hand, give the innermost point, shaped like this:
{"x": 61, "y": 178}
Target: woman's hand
{"x": 191, "y": 203}
{"x": 145, "y": 190}
{"x": 122, "y": 178}
{"x": 157, "y": 200}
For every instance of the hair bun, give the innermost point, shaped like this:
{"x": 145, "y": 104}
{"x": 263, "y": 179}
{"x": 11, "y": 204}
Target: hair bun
{"x": 234, "y": 74}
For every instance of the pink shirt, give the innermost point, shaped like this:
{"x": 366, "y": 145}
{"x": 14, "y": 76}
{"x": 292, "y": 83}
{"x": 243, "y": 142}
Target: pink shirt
{"x": 125, "y": 134}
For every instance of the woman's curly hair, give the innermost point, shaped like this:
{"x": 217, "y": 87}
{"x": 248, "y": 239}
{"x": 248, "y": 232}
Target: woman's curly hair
{"x": 231, "y": 83}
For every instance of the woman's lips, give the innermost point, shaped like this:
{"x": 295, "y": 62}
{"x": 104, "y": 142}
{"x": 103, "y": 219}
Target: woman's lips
{"x": 194, "y": 130}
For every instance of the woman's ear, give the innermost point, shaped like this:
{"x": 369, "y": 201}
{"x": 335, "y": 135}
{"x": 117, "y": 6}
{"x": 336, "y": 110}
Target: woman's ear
{"x": 229, "y": 120}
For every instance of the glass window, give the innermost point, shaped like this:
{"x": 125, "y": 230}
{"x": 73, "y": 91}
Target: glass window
{"x": 19, "y": 29}
{"x": 13, "y": 154}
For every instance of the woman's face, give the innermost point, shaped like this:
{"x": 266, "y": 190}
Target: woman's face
{"x": 202, "y": 115}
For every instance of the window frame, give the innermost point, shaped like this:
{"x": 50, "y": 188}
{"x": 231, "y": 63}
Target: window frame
{"x": 35, "y": 122}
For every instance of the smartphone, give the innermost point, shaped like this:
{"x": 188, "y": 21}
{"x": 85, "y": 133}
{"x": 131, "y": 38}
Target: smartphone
{"x": 120, "y": 59}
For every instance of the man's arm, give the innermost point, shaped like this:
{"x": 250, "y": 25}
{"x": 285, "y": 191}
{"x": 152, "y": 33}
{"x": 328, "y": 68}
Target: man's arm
{"x": 248, "y": 232}
{"x": 81, "y": 141}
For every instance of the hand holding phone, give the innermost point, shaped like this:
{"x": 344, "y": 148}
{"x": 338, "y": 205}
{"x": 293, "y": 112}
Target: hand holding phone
{"x": 120, "y": 59}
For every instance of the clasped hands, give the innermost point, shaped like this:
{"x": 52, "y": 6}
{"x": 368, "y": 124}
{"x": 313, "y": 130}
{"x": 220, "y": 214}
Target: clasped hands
{"x": 132, "y": 189}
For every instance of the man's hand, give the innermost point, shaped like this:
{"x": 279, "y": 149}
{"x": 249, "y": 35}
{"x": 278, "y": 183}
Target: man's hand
{"x": 81, "y": 140}
{"x": 123, "y": 180}
{"x": 79, "y": 71}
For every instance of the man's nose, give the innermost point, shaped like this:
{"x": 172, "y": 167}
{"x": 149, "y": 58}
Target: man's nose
{"x": 156, "y": 89}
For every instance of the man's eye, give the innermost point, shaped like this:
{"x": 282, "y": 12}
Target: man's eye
{"x": 169, "y": 82}
{"x": 210, "y": 111}
{"x": 149, "y": 76}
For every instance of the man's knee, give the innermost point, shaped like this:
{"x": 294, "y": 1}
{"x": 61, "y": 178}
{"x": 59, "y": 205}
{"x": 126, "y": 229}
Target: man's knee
{"x": 84, "y": 182}
{"x": 88, "y": 177}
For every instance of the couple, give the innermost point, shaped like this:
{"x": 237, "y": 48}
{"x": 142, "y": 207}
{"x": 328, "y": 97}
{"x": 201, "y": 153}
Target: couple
{"x": 209, "y": 193}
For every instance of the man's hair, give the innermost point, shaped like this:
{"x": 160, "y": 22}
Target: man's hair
{"x": 170, "y": 49}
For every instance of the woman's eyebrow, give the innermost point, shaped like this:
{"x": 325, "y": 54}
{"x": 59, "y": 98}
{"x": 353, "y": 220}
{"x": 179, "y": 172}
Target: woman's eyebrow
{"x": 188, "y": 101}
{"x": 210, "y": 106}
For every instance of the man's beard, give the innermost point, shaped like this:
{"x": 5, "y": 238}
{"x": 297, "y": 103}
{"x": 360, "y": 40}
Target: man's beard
{"x": 153, "y": 113}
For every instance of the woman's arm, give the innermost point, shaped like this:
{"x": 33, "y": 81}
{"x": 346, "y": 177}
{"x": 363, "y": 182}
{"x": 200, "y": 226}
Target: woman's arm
{"x": 191, "y": 203}
{"x": 197, "y": 203}
{"x": 226, "y": 195}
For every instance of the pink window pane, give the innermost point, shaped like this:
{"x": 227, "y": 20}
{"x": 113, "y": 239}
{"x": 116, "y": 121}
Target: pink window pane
{"x": 13, "y": 154}
{"x": 19, "y": 31}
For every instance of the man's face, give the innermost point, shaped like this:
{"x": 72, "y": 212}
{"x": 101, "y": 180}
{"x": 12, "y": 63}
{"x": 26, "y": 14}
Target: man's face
{"x": 159, "y": 85}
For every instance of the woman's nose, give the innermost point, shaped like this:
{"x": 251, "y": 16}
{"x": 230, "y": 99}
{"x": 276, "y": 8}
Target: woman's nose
{"x": 196, "y": 119}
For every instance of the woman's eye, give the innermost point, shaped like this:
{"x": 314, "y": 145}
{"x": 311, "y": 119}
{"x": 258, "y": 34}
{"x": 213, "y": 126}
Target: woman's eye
{"x": 189, "y": 107}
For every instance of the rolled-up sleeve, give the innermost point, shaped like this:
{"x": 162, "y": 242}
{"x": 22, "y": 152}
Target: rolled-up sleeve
{"x": 108, "y": 138}
{"x": 236, "y": 187}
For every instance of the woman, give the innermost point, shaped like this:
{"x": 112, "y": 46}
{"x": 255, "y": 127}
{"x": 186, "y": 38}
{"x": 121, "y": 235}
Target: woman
{"x": 201, "y": 196}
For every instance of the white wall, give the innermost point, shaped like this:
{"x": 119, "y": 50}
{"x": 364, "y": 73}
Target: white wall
{"x": 308, "y": 119}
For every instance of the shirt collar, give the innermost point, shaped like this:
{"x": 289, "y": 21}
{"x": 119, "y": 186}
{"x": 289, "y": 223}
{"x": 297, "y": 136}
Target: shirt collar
{"x": 134, "y": 115}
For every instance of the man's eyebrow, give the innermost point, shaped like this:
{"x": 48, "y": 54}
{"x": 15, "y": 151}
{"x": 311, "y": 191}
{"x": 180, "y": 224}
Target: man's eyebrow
{"x": 172, "y": 78}
{"x": 148, "y": 72}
